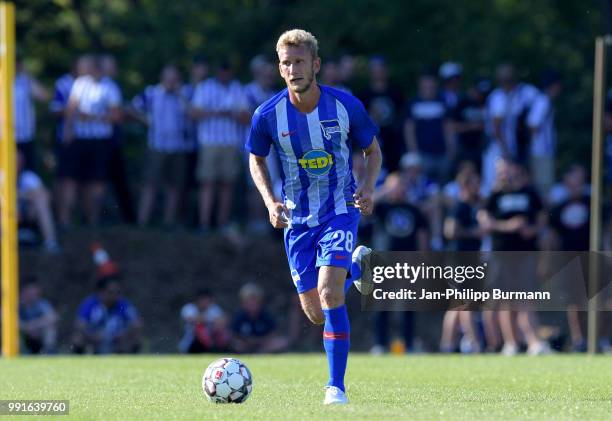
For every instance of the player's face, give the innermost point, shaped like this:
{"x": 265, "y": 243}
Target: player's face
{"x": 297, "y": 67}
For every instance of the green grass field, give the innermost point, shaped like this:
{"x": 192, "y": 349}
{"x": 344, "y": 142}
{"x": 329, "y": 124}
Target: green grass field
{"x": 291, "y": 387}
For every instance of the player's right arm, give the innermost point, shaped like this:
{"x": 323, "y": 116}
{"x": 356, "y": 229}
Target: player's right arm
{"x": 258, "y": 145}
{"x": 261, "y": 177}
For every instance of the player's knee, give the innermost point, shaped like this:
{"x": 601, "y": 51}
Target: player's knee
{"x": 331, "y": 298}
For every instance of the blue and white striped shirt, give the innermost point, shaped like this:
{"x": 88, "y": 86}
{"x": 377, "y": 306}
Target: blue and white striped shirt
{"x": 94, "y": 97}
{"x": 58, "y": 103}
{"x": 166, "y": 116}
{"x": 24, "y": 114}
{"x": 314, "y": 150}
{"x": 212, "y": 95}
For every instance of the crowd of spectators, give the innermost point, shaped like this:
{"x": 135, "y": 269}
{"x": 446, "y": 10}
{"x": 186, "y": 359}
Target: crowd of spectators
{"x": 467, "y": 166}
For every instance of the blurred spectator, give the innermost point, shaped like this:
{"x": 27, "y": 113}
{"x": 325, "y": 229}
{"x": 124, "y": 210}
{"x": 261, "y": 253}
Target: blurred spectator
{"x": 37, "y": 320}
{"x": 93, "y": 107}
{"x": 560, "y": 192}
{"x": 468, "y": 123}
{"x": 258, "y": 91}
{"x": 424, "y": 193}
{"x": 384, "y": 103}
{"x": 507, "y": 108}
{"x": 206, "y": 327}
{"x": 117, "y": 174}
{"x": 254, "y": 328}
{"x": 106, "y": 321}
{"x": 405, "y": 229}
{"x": 346, "y": 70}
{"x": 428, "y": 131}
{"x": 220, "y": 106}
{"x": 330, "y": 75}
{"x": 462, "y": 230}
{"x": 569, "y": 222}
{"x": 198, "y": 72}
{"x": 163, "y": 109}
{"x": 451, "y": 74}
{"x": 541, "y": 121}
{"x": 514, "y": 216}
{"x": 33, "y": 204}
{"x": 26, "y": 89}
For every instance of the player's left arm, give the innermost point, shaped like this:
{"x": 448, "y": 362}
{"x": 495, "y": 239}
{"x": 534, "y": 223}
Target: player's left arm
{"x": 373, "y": 162}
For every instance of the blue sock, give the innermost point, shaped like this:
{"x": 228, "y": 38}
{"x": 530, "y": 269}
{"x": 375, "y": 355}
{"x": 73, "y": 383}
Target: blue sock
{"x": 355, "y": 273}
{"x": 336, "y": 341}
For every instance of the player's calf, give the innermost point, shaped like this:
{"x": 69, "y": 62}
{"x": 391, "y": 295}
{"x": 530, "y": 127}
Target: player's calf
{"x": 311, "y": 305}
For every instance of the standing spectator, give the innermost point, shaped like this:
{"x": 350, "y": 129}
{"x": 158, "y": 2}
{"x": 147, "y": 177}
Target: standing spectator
{"x": 469, "y": 123}
{"x": 221, "y": 108}
{"x": 92, "y": 110}
{"x": 507, "y": 108}
{"x": 461, "y": 228}
{"x": 37, "y": 320}
{"x": 34, "y": 204}
{"x": 117, "y": 174}
{"x": 569, "y": 222}
{"x": 405, "y": 229}
{"x": 26, "y": 89}
{"x": 106, "y": 321}
{"x": 163, "y": 109}
{"x": 254, "y": 328}
{"x": 384, "y": 102}
{"x": 206, "y": 327}
{"x": 541, "y": 121}
{"x": 331, "y": 76}
{"x": 346, "y": 69}
{"x": 427, "y": 129}
{"x": 451, "y": 74}
{"x": 256, "y": 92}
{"x": 513, "y": 215}
{"x": 198, "y": 72}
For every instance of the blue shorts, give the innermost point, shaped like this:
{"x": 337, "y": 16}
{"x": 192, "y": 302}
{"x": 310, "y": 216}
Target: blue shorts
{"x": 329, "y": 244}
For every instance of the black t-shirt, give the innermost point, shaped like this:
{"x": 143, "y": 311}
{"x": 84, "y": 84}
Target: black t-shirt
{"x": 244, "y": 325}
{"x": 428, "y": 116}
{"x": 503, "y": 205}
{"x": 469, "y": 110}
{"x": 571, "y": 221}
{"x": 401, "y": 223}
{"x": 385, "y": 108}
{"x": 465, "y": 215}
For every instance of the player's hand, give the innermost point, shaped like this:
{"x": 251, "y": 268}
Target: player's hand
{"x": 278, "y": 215}
{"x": 363, "y": 200}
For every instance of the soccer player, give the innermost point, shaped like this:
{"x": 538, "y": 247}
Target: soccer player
{"x": 313, "y": 128}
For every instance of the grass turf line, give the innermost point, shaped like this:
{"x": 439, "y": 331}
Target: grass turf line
{"x": 291, "y": 387}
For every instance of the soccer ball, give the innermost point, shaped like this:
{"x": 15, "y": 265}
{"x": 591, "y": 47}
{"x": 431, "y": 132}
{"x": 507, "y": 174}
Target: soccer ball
{"x": 227, "y": 380}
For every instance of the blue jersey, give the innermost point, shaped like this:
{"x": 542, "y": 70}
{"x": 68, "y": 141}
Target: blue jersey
{"x": 314, "y": 151}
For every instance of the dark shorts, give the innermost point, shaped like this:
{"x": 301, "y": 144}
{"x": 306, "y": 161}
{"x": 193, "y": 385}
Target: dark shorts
{"x": 28, "y": 154}
{"x": 85, "y": 160}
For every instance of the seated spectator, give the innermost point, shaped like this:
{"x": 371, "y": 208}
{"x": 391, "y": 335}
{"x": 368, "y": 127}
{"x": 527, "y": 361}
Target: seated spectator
{"x": 33, "y": 205}
{"x": 206, "y": 327}
{"x": 37, "y": 320}
{"x": 423, "y": 193}
{"x": 254, "y": 328}
{"x": 107, "y": 322}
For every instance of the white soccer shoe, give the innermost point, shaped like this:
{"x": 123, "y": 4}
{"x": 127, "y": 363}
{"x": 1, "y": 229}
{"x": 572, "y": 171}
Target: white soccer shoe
{"x": 361, "y": 271}
{"x": 334, "y": 396}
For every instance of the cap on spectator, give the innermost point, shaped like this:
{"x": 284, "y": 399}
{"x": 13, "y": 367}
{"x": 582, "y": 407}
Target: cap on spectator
{"x": 410, "y": 160}
{"x": 250, "y": 289}
{"x": 105, "y": 266}
{"x": 450, "y": 69}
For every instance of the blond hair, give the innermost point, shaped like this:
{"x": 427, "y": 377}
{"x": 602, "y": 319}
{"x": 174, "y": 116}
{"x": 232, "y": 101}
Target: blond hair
{"x": 297, "y": 37}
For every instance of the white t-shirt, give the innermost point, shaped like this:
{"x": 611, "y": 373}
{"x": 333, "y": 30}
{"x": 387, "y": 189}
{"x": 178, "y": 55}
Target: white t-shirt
{"x": 94, "y": 97}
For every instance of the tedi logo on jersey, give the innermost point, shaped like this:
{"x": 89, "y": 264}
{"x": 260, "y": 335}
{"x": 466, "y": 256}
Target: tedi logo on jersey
{"x": 316, "y": 162}
{"x": 330, "y": 127}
